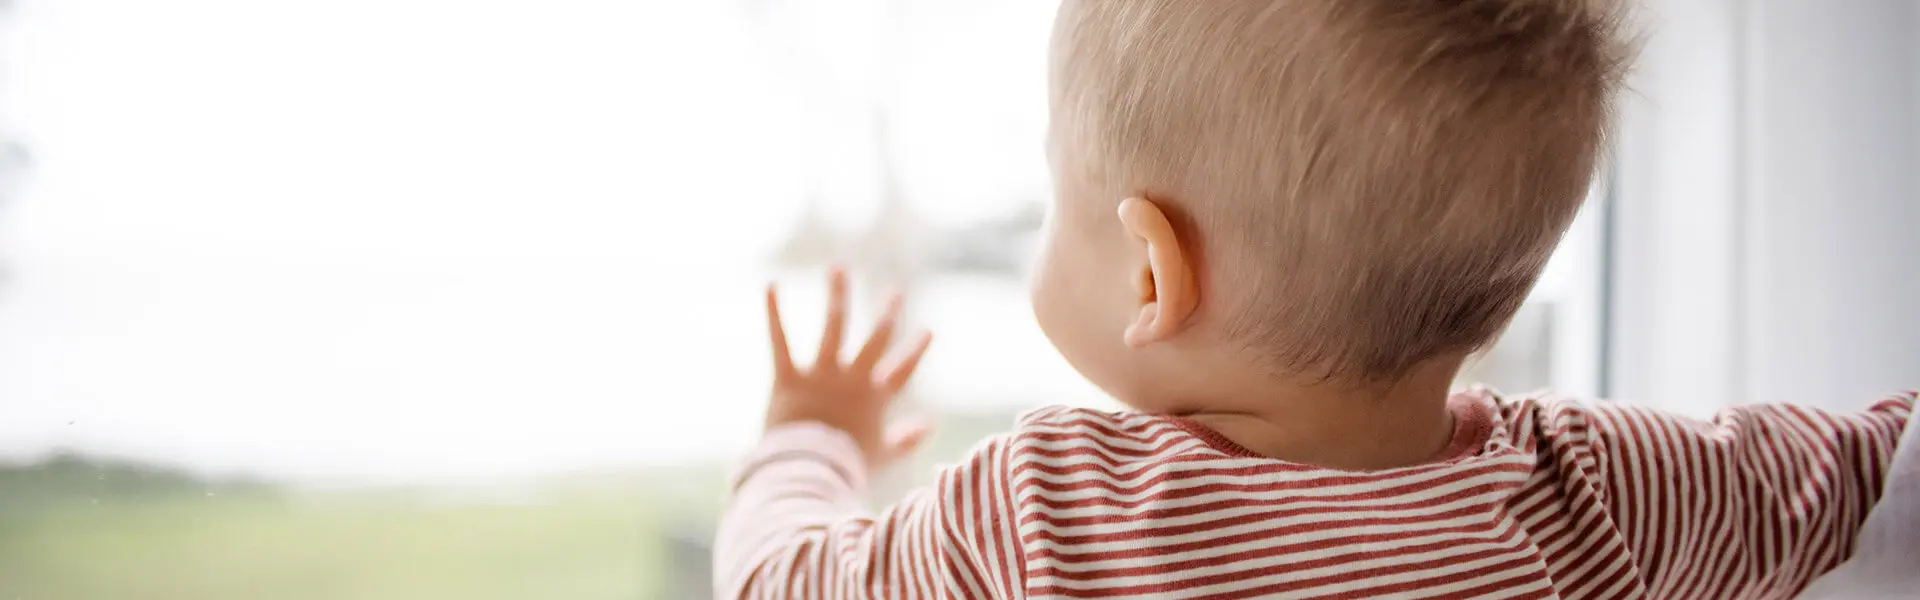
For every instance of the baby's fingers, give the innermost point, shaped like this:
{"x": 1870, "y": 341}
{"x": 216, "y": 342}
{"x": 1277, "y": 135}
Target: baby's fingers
{"x": 881, "y": 337}
{"x": 782, "y": 359}
{"x": 896, "y": 377}
{"x": 836, "y": 320}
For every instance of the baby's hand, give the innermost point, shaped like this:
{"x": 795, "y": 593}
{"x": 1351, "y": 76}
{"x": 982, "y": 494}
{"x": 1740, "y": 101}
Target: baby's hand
{"x": 850, "y": 396}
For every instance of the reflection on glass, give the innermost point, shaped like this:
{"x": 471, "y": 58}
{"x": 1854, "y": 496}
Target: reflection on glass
{"x": 467, "y": 308}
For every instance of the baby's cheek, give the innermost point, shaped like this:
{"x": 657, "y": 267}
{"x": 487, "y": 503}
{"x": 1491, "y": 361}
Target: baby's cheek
{"x": 1068, "y": 307}
{"x": 1044, "y": 286}
{"x": 1052, "y": 294}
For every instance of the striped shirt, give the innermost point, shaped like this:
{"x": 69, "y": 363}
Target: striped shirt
{"x": 1538, "y": 498}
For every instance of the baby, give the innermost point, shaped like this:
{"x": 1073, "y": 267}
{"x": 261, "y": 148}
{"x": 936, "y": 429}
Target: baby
{"x": 1280, "y": 228}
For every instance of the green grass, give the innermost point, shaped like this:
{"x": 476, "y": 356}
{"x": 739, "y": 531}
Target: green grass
{"x": 81, "y": 528}
{"x": 368, "y": 546}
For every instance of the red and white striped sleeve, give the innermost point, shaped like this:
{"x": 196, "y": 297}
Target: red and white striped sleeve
{"x": 797, "y": 526}
{"x": 1756, "y": 502}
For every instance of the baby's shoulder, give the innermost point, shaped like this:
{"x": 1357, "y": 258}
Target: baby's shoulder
{"x": 1067, "y": 417}
{"x": 1060, "y": 430}
{"x": 1588, "y": 431}
{"x": 1535, "y": 421}
{"x": 1117, "y": 425}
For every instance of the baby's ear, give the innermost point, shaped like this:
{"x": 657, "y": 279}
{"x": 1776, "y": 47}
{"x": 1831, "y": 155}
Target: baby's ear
{"x": 1168, "y": 291}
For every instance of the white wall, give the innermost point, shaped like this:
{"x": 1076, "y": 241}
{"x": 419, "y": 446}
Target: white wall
{"x": 1833, "y": 277}
{"x": 1768, "y": 203}
{"x": 1676, "y": 178}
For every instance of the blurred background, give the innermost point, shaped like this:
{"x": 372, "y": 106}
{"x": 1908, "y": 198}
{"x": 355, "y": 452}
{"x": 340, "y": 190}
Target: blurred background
{"x": 430, "y": 299}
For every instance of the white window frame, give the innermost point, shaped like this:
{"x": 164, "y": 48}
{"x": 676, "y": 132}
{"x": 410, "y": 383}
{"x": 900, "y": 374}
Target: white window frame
{"x": 1763, "y": 245}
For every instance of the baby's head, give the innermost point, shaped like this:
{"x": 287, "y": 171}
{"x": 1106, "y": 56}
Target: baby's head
{"x": 1343, "y": 190}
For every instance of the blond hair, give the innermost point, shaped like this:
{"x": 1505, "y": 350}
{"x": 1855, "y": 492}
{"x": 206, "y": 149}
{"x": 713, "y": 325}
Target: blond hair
{"x": 1381, "y": 180}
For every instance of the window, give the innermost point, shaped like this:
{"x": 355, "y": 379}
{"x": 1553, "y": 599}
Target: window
{"x": 436, "y": 299}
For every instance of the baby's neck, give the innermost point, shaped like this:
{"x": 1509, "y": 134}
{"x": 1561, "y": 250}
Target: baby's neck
{"x": 1344, "y": 427}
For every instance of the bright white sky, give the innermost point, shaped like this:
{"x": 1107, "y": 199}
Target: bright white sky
{"x": 392, "y": 239}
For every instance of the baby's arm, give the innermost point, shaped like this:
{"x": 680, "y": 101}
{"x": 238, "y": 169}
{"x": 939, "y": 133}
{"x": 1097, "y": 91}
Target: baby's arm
{"x": 797, "y": 527}
{"x": 1886, "y": 560}
{"x": 1759, "y": 500}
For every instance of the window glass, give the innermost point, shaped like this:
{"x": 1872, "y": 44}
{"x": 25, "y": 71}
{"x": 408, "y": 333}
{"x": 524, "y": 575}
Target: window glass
{"x": 422, "y": 299}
